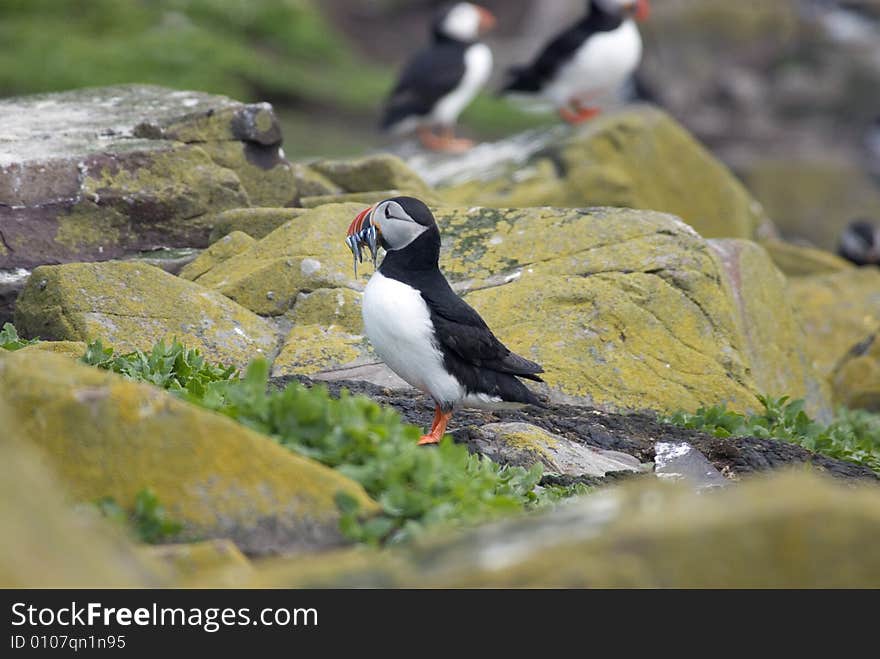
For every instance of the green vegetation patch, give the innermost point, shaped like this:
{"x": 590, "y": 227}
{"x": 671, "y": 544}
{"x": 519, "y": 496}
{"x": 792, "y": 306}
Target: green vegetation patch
{"x": 148, "y": 520}
{"x": 854, "y": 435}
{"x": 10, "y": 340}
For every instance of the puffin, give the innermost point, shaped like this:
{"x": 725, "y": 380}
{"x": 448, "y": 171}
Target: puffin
{"x": 860, "y": 243}
{"x": 584, "y": 67}
{"x": 440, "y": 81}
{"x": 422, "y": 329}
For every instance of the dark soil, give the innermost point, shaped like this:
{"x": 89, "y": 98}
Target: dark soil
{"x": 634, "y": 434}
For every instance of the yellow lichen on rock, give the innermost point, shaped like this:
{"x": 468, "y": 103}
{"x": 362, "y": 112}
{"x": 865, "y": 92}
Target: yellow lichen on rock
{"x": 222, "y": 250}
{"x": 133, "y": 306}
{"x": 216, "y": 562}
{"x": 47, "y": 543}
{"x": 856, "y": 380}
{"x": 799, "y": 261}
{"x": 781, "y": 531}
{"x": 107, "y": 436}
{"x": 72, "y": 349}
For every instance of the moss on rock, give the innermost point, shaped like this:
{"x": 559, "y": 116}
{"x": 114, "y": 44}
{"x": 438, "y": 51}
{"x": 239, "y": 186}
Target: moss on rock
{"x": 72, "y": 349}
{"x": 132, "y": 306}
{"x": 222, "y": 250}
{"x": 781, "y": 531}
{"x": 620, "y": 159}
{"x": 265, "y": 175}
{"x": 219, "y": 562}
{"x": 799, "y": 261}
{"x": 108, "y": 436}
{"x": 838, "y": 311}
{"x": 856, "y": 379}
{"x": 381, "y": 172}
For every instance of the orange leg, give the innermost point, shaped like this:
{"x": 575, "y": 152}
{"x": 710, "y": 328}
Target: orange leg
{"x": 579, "y": 115}
{"x": 438, "y": 427}
{"x": 445, "y": 142}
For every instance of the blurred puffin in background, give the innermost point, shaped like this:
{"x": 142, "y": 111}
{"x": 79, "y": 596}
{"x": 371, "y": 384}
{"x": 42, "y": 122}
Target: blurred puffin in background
{"x": 584, "y": 68}
{"x": 421, "y": 328}
{"x": 860, "y": 243}
{"x": 439, "y": 82}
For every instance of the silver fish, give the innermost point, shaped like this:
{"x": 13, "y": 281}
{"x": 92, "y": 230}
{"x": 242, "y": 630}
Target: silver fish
{"x": 367, "y": 237}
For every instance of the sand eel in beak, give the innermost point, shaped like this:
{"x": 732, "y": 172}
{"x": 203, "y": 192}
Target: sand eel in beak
{"x": 860, "y": 243}
{"x": 439, "y": 82}
{"x": 426, "y": 333}
{"x": 584, "y": 68}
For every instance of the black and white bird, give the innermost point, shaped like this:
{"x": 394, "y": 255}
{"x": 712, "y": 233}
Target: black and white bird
{"x": 860, "y": 243}
{"x": 440, "y": 81}
{"x": 421, "y": 329}
{"x": 583, "y": 69}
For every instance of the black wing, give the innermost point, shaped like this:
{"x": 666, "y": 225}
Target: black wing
{"x": 429, "y": 76}
{"x": 462, "y": 332}
{"x": 533, "y": 77}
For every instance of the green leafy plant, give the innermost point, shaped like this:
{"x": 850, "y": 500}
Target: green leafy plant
{"x": 148, "y": 520}
{"x": 10, "y": 340}
{"x": 173, "y": 367}
{"x": 416, "y": 487}
{"x": 853, "y": 435}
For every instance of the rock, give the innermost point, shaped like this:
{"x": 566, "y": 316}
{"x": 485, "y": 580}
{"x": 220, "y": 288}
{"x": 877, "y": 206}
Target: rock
{"x": 838, "y": 312}
{"x": 108, "y": 436}
{"x": 799, "y": 261}
{"x": 815, "y": 199}
{"x": 856, "y": 379}
{"x": 523, "y": 445}
{"x": 306, "y": 254}
{"x": 11, "y": 283}
{"x": 770, "y": 339}
{"x": 780, "y": 532}
{"x": 681, "y": 461}
{"x": 311, "y": 184}
{"x": 218, "y": 562}
{"x": 222, "y": 250}
{"x": 47, "y": 543}
{"x": 633, "y": 310}
{"x": 362, "y": 198}
{"x": 132, "y": 306}
{"x": 100, "y": 173}
{"x": 380, "y": 172}
{"x": 620, "y": 159}
{"x": 255, "y": 222}
{"x": 72, "y": 349}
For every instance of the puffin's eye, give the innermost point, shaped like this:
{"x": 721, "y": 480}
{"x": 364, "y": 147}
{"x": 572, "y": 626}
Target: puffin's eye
{"x": 387, "y": 213}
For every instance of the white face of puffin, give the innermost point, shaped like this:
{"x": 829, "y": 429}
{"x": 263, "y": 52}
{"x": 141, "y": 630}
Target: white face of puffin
{"x": 640, "y": 9}
{"x": 466, "y": 22}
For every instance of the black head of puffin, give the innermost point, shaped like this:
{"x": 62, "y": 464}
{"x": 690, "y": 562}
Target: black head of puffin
{"x": 638, "y": 9}
{"x": 464, "y": 21}
{"x": 392, "y": 224}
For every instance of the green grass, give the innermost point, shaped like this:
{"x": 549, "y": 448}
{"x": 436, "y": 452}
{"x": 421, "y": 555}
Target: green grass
{"x": 416, "y": 487}
{"x": 853, "y": 435}
{"x": 253, "y": 50}
{"x": 148, "y": 520}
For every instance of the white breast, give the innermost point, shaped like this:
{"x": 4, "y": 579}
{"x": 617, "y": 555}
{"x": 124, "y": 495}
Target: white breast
{"x": 597, "y": 70}
{"x": 398, "y": 324}
{"x": 477, "y": 69}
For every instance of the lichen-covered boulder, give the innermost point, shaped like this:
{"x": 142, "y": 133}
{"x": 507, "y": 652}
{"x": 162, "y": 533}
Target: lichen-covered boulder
{"x": 799, "y": 261}
{"x": 782, "y": 531}
{"x": 380, "y": 172}
{"x": 838, "y": 311}
{"x": 72, "y": 349}
{"x": 219, "y": 562}
{"x": 99, "y": 173}
{"x": 813, "y": 199}
{"x": 856, "y": 380}
{"x": 108, "y": 436}
{"x": 222, "y": 250}
{"x": 255, "y": 222}
{"x": 623, "y": 159}
{"x": 49, "y": 544}
{"x": 132, "y": 306}
{"x": 305, "y": 254}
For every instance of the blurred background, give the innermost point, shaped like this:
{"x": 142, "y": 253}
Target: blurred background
{"x": 784, "y": 91}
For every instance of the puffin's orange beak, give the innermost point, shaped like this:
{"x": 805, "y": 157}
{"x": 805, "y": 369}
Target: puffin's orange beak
{"x": 643, "y": 10}
{"x": 487, "y": 20}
